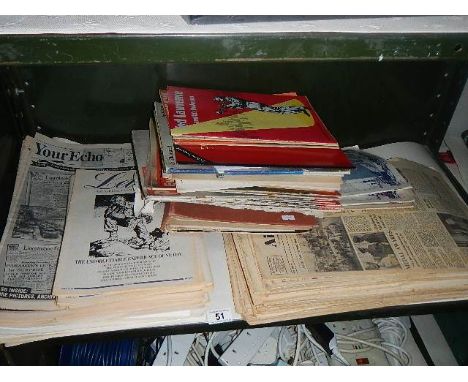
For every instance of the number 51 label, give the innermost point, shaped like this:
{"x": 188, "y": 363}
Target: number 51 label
{"x": 218, "y": 315}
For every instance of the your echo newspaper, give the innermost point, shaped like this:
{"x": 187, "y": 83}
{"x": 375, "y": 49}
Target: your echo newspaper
{"x": 32, "y": 238}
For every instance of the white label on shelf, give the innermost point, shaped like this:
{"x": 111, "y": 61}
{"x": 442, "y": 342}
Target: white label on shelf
{"x": 218, "y": 315}
{"x": 288, "y": 217}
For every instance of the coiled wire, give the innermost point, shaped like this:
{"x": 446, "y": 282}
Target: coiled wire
{"x": 104, "y": 353}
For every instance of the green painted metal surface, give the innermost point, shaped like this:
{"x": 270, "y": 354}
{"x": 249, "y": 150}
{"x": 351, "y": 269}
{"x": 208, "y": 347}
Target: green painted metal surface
{"x": 75, "y": 49}
{"x": 365, "y": 103}
{"x": 91, "y": 103}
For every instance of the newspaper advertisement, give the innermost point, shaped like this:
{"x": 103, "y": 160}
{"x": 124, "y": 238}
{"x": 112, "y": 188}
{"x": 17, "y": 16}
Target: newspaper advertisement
{"x": 107, "y": 247}
{"x": 33, "y": 234}
{"x": 434, "y": 235}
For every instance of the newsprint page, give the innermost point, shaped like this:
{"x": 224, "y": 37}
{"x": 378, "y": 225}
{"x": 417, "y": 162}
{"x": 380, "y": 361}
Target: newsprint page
{"x": 106, "y": 247}
{"x": 433, "y": 235}
{"x": 31, "y": 241}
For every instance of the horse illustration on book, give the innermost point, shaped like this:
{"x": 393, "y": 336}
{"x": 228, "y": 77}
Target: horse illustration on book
{"x": 236, "y": 103}
{"x": 125, "y": 231}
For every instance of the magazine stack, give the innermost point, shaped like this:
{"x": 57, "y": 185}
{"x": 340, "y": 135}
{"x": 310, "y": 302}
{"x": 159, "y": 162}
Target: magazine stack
{"x": 261, "y": 162}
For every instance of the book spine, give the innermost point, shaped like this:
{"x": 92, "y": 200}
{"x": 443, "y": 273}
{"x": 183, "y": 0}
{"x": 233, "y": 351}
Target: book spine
{"x": 165, "y": 139}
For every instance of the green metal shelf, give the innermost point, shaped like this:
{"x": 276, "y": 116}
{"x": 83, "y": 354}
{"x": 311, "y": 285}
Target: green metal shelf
{"x": 209, "y": 48}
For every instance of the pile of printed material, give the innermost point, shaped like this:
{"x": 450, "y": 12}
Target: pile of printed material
{"x": 76, "y": 259}
{"x": 374, "y": 183}
{"x": 95, "y": 242}
{"x": 260, "y": 162}
{"x": 357, "y": 260}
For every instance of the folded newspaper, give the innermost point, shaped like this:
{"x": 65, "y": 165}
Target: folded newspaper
{"x": 32, "y": 238}
{"x": 357, "y": 260}
{"x": 107, "y": 250}
{"x": 105, "y": 269}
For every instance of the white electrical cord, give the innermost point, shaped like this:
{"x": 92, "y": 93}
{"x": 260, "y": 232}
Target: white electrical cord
{"x": 314, "y": 345}
{"x": 204, "y": 343}
{"x": 207, "y": 349}
{"x": 169, "y": 351}
{"x": 191, "y": 360}
{"x": 211, "y": 336}
{"x": 373, "y": 345}
{"x": 196, "y": 351}
{"x": 305, "y": 350}
{"x": 282, "y": 348}
{"x": 298, "y": 345}
{"x": 394, "y": 333}
{"x": 196, "y": 355}
{"x": 217, "y": 355}
{"x": 279, "y": 346}
{"x": 393, "y": 337}
{"x": 312, "y": 339}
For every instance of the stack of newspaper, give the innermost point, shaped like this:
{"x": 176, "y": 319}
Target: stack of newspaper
{"x": 108, "y": 254}
{"x": 75, "y": 258}
{"x": 357, "y": 260}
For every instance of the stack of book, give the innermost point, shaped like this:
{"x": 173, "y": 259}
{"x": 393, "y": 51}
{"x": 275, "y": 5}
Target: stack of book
{"x": 248, "y": 129}
{"x": 266, "y": 162}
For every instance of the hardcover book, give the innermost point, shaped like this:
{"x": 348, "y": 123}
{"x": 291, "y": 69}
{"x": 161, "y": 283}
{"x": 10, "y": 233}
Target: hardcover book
{"x": 214, "y": 127}
{"x": 249, "y": 117}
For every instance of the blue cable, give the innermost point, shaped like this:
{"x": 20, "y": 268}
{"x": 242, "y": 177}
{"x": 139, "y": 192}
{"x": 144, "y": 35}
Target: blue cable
{"x": 102, "y": 353}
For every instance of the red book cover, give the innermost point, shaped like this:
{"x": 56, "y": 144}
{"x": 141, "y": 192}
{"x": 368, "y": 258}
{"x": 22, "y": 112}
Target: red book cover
{"x": 232, "y": 215}
{"x": 222, "y": 154}
{"x": 244, "y": 117}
